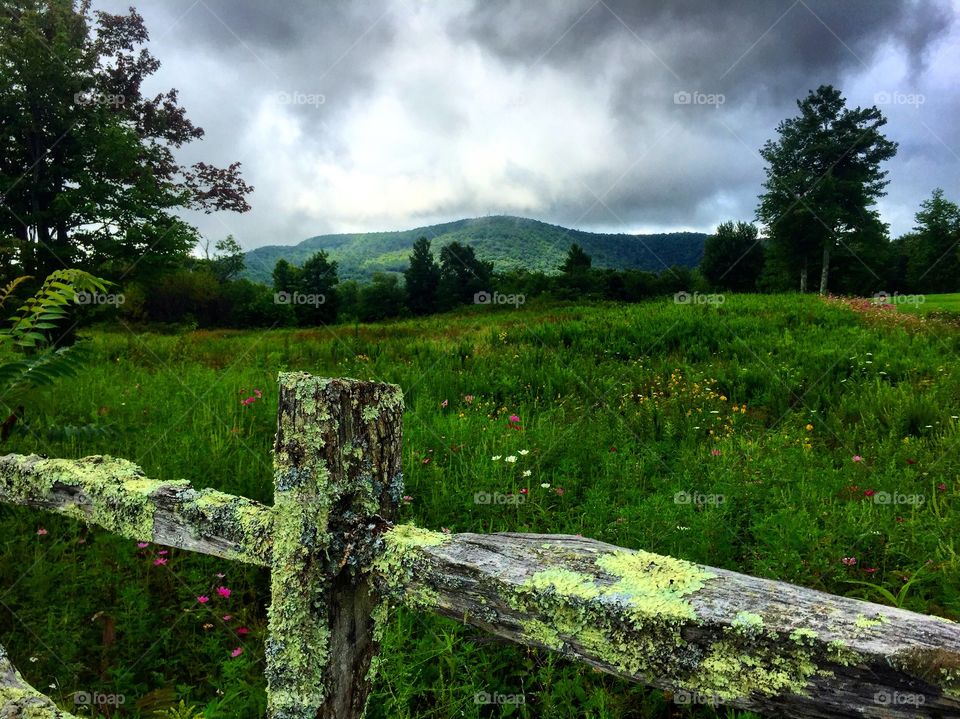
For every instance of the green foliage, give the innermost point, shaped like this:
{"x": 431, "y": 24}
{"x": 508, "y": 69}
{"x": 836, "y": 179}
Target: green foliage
{"x": 38, "y": 363}
{"x": 933, "y": 257}
{"x": 88, "y": 161}
{"x": 733, "y": 257}
{"x": 48, "y": 306}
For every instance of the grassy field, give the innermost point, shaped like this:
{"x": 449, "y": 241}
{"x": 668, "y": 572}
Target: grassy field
{"x": 797, "y": 415}
{"x": 936, "y": 303}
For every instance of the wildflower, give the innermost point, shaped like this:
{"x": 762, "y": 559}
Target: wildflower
{"x": 613, "y": 449}
{"x": 236, "y": 652}
{"x": 544, "y": 485}
{"x": 870, "y": 492}
{"x": 857, "y": 458}
{"x": 220, "y": 575}
{"x": 141, "y": 545}
{"x": 524, "y": 452}
{"x": 524, "y": 491}
{"x": 870, "y": 570}
{"x": 559, "y": 491}
{"x": 224, "y": 591}
{"x": 41, "y": 532}
{"x": 242, "y": 631}
{"x": 942, "y": 487}
{"x": 512, "y": 458}
{"x": 496, "y": 457}
{"x": 407, "y": 499}
{"x": 207, "y": 626}
{"x": 468, "y": 399}
{"x": 159, "y": 561}
{"x": 203, "y": 599}
{"x": 162, "y": 552}
{"x": 258, "y": 393}
{"x": 900, "y": 520}
{"x": 227, "y": 617}
{"x": 809, "y": 427}
{"x": 849, "y": 561}
{"x": 514, "y": 419}
{"x": 444, "y": 404}
{"x": 527, "y": 473}
{"x": 426, "y": 460}
{"x": 715, "y": 452}
{"x": 445, "y": 530}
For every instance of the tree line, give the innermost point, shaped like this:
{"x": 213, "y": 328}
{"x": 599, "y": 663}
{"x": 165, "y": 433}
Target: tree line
{"x": 91, "y": 181}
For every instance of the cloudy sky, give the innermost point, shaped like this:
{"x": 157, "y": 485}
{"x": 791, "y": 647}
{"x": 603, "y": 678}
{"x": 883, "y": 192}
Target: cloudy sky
{"x": 596, "y": 114}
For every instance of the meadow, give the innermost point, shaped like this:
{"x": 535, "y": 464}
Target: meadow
{"x": 782, "y": 436}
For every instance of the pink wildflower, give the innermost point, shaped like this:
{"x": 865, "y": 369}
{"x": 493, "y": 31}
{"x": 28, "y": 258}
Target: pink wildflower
{"x": 236, "y": 652}
{"x": 849, "y": 561}
{"x": 444, "y": 404}
{"x": 42, "y": 531}
{"x": 242, "y": 631}
{"x": 227, "y": 617}
{"x": 141, "y": 545}
{"x": 857, "y": 458}
{"x": 159, "y": 561}
{"x": 203, "y": 599}
{"x": 223, "y": 591}
{"x": 715, "y": 452}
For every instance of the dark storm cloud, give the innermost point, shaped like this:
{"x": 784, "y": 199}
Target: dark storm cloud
{"x": 779, "y": 47}
{"x": 563, "y": 110}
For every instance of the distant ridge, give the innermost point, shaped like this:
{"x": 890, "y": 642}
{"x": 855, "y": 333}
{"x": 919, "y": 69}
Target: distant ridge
{"x": 509, "y": 242}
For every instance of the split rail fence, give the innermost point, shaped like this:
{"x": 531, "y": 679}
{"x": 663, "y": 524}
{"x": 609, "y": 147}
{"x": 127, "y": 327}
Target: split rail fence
{"x": 337, "y": 563}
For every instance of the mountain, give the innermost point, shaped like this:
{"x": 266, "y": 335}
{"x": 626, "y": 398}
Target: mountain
{"x": 510, "y": 242}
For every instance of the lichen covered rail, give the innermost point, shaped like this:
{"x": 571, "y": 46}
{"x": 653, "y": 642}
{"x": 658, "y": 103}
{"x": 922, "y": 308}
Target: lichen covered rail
{"x": 337, "y": 563}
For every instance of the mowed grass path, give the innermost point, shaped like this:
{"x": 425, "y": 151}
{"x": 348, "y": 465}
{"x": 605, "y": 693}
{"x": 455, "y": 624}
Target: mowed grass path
{"x": 776, "y": 436}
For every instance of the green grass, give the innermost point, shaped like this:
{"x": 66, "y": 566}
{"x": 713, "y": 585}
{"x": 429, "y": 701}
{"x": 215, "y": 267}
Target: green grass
{"x": 935, "y": 303}
{"x": 621, "y": 407}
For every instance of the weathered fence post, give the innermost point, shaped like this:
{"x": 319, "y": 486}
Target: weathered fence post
{"x": 337, "y": 481}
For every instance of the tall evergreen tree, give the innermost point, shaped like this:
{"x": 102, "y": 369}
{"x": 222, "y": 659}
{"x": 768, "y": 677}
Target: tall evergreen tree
{"x": 934, "y": 264}
{"x": 823, "y": 178}
{"x": 462, "y": 275}
{"x": 422, "y": 279}
{"x": 317, "y": 283}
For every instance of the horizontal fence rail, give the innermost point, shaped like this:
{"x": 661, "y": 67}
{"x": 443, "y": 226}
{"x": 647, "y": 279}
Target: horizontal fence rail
{"x": 708, "y": 635}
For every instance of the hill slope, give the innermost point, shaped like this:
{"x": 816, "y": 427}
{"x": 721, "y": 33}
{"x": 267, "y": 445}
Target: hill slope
{"x": 510, "y": 242}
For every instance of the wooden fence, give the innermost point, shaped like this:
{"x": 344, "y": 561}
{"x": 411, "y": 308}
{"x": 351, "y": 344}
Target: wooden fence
{"x": 337, "y": 563}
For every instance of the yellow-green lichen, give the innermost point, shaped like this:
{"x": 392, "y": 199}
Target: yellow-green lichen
{"x": 747, "y": 623}
{"x": 862, "y": 623}
{"x": 647, "y": 593}
{"x": 732, "y": 671}
{"x": 839, "y": 653}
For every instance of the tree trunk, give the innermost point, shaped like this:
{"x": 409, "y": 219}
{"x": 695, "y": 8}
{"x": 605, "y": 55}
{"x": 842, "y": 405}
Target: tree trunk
{"x": 803, "y": 275}
{"x": 825, "y": 269}
{"x": 337, "y": 480}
